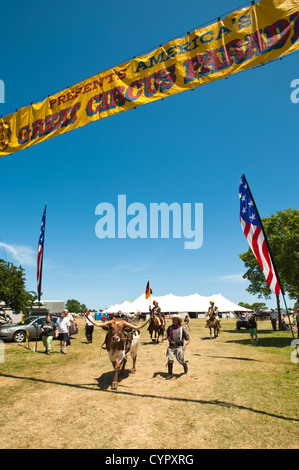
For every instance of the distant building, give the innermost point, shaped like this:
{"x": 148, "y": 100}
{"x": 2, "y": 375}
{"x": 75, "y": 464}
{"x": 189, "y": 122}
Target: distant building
{"x": 48, "y": 306}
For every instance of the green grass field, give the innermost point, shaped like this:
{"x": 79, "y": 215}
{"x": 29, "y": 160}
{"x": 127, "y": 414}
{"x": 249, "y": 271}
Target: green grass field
{"x": 236, "y": 394}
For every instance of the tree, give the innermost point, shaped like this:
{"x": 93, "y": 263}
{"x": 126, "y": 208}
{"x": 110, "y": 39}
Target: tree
{"x": 83, "y": 308}
{"x": 282, "y": 231}
{"x": 74, "y": 306}
{"x": 12, "y": 287}
{"x": 255, "y": 306}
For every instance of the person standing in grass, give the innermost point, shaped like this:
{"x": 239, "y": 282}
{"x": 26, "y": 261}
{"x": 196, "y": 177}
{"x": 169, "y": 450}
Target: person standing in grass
{"x": 187, "y": 322}
{"x": 252, "y": 327}
{"x": 89, "y": 327}
{"x": 48, "y": 332}
{"x": 71, "y": 322}
{"x": 176, "y": 335}
{"x": 296, "y": 321}
{"x": 273, "y": 318}
{"x": 62, "y": 331}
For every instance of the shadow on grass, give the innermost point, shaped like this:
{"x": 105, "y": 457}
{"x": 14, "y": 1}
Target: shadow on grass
{"x": 207, "y": 338}
{"x": 236, "y": 358}
{"x": 151, "y": 341}
{"x": 269, "y": 342}
{"x": 163, "y": 375}
{"x": 263, "y": 332}
{"x": 106, "y": 379}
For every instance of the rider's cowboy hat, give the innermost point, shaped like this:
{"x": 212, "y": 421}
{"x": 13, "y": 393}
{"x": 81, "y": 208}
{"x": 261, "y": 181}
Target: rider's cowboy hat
{"x": 177, "y": 317}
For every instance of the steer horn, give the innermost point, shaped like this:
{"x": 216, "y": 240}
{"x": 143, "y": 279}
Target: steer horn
{"x": 134, "y": 327}
{"x": 107, "y": 323}
{"x": 98, "y": 324}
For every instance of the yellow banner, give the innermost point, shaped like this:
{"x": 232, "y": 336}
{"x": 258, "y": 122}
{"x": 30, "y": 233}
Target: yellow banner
{"x": 245, "y": 38}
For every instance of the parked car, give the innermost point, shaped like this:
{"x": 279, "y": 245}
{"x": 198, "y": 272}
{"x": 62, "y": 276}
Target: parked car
{"x": 17, "y": 331}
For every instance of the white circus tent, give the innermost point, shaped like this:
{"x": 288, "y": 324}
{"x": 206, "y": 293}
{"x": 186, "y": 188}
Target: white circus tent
{"x": 171, "y": 303}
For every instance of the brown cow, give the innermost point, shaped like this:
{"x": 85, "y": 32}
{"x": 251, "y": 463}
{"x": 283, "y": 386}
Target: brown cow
{"x": 120, "y": 340}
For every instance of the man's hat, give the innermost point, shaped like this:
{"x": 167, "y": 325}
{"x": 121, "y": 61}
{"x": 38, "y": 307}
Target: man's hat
{"x": 212, "y": 302}
{"x": 177, "y": 317}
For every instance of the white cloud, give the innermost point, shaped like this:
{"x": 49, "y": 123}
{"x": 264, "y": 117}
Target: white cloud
{"x": 140, "y": 268}
{"x": 22, "y": 254}
{"x": 232, "y": 277}
{"x": 227, "y": 278}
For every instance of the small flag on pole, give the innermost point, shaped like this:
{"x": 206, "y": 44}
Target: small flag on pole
{"x": 254, "y": 232}
{"x": 148, "y": 290}
{"x": 40, "y": 253}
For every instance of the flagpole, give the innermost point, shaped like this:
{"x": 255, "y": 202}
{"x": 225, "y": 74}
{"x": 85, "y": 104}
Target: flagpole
{"x": 269, "y": 249}
{"x": 150, "y": 297}
{"x": 279, "y": 311}
{"x": 39, "y": 287}
{"x": 41, "y": 268}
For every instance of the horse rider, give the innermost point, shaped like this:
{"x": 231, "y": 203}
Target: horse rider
{"x": 176, "y": 334}
{"x": 212, "y": 314}
{"x": 156, "y": 310}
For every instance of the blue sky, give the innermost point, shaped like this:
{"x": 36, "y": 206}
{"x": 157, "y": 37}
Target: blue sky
{"x": 192, "y": 147}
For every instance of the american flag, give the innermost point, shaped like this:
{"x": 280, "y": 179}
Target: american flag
{"x": 40, "y": 252}
{"x": 253, "y": 231}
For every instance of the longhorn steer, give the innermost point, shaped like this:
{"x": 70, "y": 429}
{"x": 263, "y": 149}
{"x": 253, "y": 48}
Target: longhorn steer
{"x": 120, "y": 340}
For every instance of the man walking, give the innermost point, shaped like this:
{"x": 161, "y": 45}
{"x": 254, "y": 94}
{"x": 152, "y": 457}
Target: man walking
{"x": 88, "y": 327}
{"x": 252, "y": 324}
{"x": 176, "y": 335}
{"x": 273, "y": 318}
{"x": 71, "y": 323}
{"x": 62, "y": 331}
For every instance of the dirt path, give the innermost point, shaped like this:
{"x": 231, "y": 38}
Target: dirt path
{"x": 221, "y": 403}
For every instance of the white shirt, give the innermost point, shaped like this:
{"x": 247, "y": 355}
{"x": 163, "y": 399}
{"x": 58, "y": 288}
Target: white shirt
{"x": 62, "y": 324}
{"x": 87, "y": 321}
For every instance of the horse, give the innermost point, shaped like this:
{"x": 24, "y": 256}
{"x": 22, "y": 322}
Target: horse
{"x": 213, "y": 324}
{"x": 157, "y": 327}
{"x": 138, "y": 316}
